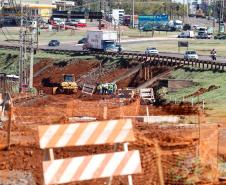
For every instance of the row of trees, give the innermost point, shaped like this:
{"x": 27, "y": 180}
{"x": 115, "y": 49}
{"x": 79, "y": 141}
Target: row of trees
{"x": 142, "y": 7}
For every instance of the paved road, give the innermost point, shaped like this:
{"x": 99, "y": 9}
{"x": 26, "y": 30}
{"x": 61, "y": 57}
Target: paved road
{"x": 71, "y": 46}
{"x": 78, "y": 47}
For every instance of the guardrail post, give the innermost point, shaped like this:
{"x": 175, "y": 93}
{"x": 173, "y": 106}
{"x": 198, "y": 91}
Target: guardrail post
{"x": 207, "y": 64}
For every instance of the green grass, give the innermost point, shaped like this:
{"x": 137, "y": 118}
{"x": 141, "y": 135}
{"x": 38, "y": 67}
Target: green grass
{"x": 203, "y": 47}
{"x": 13, "y": 69}
{"x": 215, "y": 100}
{"x": 46, "y": 36}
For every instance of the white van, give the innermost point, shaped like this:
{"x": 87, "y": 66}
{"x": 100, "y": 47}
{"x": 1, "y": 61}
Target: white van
{"x": 187, "y": 34}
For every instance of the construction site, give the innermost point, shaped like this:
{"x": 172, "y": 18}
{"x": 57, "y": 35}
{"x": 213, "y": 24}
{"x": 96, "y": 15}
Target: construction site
{"x": 101, "y": 93}
{"x": 176, "y": 142}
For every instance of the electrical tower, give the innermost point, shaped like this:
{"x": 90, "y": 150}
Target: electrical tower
{"x": 28, "y": 28}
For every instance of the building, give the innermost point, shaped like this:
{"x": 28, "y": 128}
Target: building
{"x": 42, "y": 8}
{"x": 64, "y": 5}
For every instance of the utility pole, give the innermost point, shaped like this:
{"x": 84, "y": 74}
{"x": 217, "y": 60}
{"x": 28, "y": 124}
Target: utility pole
{"x": 188, "y": 9}
{"x": 133, "y": 14}
{"x": 21, "y": 56}
{"x": 31, "y": 59}
{"x": 100, "y": 11}
{"x": 220, "y": 12}
{"x": 183, "y": 11}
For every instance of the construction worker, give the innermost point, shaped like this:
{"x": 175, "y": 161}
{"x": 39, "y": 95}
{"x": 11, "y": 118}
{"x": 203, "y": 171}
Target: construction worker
{"x": 115, "y": 87}
{"x": 105, "y": 88}
{"x": 110, "y": 88}
{"x": 99, "y": 89}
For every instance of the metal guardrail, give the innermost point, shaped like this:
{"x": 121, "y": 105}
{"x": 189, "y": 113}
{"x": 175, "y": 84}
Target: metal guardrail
{"x": 145, "y": 59}
{"x": 151, "y": 60}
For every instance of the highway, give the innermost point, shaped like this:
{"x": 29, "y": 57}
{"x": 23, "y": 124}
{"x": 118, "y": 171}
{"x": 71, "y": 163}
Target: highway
{"x": 78, "y": 47}
{"x": 72, "y": 46}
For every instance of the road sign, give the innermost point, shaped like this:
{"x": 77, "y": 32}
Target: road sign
{"x": 153, "y": 18}
{"x": 183, "y": 44}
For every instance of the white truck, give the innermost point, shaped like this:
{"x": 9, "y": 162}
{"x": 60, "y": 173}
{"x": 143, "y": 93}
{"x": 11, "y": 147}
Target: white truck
{"x": 101, "y": 40}
{"x": 175, "y": 25}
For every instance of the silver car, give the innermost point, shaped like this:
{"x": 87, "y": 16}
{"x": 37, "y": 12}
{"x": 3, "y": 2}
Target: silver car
{"x": 151, "y": 51}
{"x": 191, "y": 55}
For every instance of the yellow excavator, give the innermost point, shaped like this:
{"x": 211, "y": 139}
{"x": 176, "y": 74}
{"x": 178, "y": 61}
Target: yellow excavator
{"x": 67, "y": 86}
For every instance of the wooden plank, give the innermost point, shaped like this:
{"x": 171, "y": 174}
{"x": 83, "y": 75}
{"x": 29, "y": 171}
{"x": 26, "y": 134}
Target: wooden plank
{"x": 91, "y": 167}
{"x": 79, "y": 134}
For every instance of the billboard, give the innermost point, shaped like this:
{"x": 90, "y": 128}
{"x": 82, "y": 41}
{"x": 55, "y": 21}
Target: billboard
{"x": 152, "y": 22}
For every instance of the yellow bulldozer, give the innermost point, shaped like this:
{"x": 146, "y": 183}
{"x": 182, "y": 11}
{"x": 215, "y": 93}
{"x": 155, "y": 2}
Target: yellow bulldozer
{"x": 67, "y": 86}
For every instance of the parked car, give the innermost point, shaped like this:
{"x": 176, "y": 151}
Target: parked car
{"x": 82, "y": 41}
{"x": 191, "y": 55}
{"x": 195, "y": 26}
{"x": 220, "y": 36}
{"x": 81, "y": 25}
{"x": 67, "y": 27}
{"x": 54, "y": 43}
{"x": 69, "y": 23}
{"x": 186, "y": 27}
{"x": 203, "y": 35}
{"x": 151, "y": 51}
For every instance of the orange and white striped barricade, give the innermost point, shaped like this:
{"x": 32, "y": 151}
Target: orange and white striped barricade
{"x": 93, "y": 166}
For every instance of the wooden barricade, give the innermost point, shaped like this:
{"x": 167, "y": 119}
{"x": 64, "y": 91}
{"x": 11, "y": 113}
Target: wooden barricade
{"x": 88, "y": 89}
{"x": 92, "y": 166}
{"x": 126, "y": 93}
{"x": 147, "y": 94}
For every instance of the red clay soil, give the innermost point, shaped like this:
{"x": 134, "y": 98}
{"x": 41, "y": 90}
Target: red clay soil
{"x": 55, "y": 73}
{"x": 115, "y": 74}
{"x": 26, "y": 155}
{"x": 177, "y": 145}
